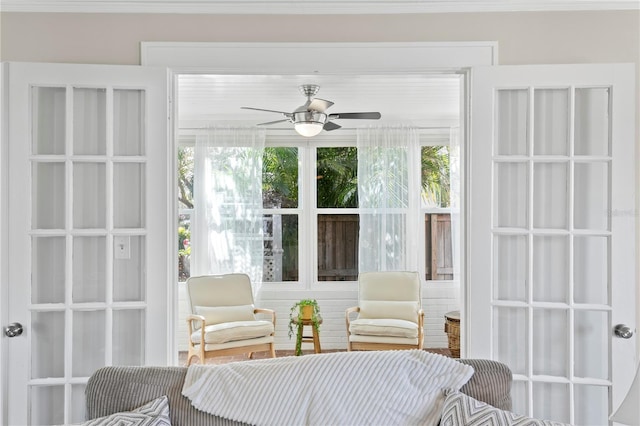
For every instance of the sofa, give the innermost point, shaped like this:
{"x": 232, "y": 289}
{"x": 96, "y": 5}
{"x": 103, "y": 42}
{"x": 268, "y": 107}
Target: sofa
{"x": 122, "y": 388}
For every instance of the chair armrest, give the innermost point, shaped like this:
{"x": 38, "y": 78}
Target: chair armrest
{"x": 193, "y": 317}
{"x": 268, "y": 312}
{"x": 348, "y": 312}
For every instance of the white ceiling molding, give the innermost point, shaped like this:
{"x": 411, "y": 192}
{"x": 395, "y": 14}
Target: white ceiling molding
{"x": 310, "y": 7}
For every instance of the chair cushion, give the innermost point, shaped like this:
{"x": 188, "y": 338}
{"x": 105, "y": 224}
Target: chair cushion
{"x": 233, "y": 331}
{"x": 389, "y": 285}
{"x": 379, "y": 309}
{"x": 220, "y": 314}
{"x": 384, "y": 327}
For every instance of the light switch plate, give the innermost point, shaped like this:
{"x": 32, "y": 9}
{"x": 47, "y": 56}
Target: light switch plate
{"x": 122, "y": 247}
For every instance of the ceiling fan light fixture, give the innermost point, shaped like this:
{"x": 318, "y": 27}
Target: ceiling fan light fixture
{"x": 309, "y": 123}
{"x": 308, "y": 128}
{"x": 311, "y": 118}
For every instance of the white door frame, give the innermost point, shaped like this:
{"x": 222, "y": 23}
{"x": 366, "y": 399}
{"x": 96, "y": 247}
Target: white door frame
{"x": 326, "y": 58}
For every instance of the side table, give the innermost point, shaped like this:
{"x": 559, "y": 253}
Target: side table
{"x": 314, "y": 338}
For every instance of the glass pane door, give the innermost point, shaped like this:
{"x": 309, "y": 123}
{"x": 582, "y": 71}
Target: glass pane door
{"x": 88, "y": 209}
{"x": 80, "y": 280}
{"x": 544, "y": 164}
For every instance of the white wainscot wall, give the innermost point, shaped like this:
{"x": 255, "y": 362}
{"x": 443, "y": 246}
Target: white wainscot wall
{"x": 438, "y": 299}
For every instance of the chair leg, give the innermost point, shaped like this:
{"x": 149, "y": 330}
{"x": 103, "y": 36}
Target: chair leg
{"x": 202, "y": 358}
{"x": 250, "y": 355}
{"x": 273, "y": 350}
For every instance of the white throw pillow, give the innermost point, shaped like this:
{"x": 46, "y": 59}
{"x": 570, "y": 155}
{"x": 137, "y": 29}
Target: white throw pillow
{"x": 153, "y": 413}
{"x": 383, "y": 309}
{"x": 220, "y": 314}
{"x": 460, "y": 409}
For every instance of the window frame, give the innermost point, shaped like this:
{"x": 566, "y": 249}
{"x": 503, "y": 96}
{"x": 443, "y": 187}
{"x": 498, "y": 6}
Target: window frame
{"x": 308, "y": 210}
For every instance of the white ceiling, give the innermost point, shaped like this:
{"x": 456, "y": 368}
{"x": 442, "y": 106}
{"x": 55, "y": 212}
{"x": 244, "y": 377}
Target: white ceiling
{"x": 418, "y": 100}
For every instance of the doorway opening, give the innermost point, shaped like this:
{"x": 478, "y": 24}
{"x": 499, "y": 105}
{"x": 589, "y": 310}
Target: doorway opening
{"x": 310, "y": 201}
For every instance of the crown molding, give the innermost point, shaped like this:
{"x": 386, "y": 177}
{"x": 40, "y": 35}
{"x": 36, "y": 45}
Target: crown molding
{"x": 308, "y": 7}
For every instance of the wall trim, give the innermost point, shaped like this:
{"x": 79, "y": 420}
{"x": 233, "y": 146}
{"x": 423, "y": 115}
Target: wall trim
{"x": 317, "y": 58}
{"x": 307, "y": 7}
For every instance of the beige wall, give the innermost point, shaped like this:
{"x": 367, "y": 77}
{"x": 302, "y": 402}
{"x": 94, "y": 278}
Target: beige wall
{"x": 523, "y": 38}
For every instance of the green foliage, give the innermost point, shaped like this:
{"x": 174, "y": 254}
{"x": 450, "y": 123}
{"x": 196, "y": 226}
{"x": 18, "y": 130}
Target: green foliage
{"x": 337, "y": 177}
{"x": 184, "y": 241}
{"x": 435, "y": 175}
{"x": 294, "y": 313}
{"x": 280, "y": 177}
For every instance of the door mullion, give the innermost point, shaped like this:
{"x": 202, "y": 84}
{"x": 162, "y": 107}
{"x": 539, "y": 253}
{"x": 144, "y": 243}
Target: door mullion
{"x": 570, "y": 284}
{"x": 68, "y": 284}
{"x": 530, "y": 199}
{"x": 109, "y": 225}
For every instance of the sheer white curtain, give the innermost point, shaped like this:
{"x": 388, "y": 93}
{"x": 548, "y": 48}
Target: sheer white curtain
{"x": 388, "y": 200}
{"x": 228, "y": 202}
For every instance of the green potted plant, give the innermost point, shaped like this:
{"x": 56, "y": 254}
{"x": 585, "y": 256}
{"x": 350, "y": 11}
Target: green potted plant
{"x": 303, "y": 310}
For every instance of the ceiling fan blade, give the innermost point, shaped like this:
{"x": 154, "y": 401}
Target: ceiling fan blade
{"x": 319, "y": 105}
{"x": 357, "y": 115}
{"x": 267, "y": 110}
{"x": 329, "y": 125}
{"x": 271, "y": 122}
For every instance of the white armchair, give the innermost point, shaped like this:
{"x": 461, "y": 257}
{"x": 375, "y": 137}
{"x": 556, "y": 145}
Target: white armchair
{"x": 390, "y": 314}
{"x": 223, "y": 321}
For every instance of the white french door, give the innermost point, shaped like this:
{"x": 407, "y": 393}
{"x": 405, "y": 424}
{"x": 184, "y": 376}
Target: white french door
{"x": 88, "y": 225}
{"x": 552, "y": 234}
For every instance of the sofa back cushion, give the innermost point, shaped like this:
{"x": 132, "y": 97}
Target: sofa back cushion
{"x": 119, "y": 388}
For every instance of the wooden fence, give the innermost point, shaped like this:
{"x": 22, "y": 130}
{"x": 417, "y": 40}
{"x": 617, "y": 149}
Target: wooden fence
{"x": 338, "y": 247}
{"x": 338, "y": 250}
{"x": 438, "y": 253}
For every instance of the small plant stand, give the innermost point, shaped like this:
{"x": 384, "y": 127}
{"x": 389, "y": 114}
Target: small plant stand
{"x": 314, "y": 338}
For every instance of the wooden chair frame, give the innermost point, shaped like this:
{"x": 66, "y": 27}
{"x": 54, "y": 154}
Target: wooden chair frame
{"x": 199, "y": 349}
{"x": 373, "y": 346}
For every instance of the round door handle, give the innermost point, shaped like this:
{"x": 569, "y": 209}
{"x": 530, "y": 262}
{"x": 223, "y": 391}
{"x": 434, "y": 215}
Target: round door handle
{"x": 623, "y": 331}
{"x": 14, "y": 329}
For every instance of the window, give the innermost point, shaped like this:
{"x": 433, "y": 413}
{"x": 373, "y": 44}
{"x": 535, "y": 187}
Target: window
{"x": 185, "y": 210}
{"x": 280, "y": 188}
{"x": 337, "y": 213}
{"x": 435, "y": 200}
{"x": 310, "y": 189}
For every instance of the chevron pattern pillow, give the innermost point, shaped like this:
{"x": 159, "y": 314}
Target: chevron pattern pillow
{"x": 153, "y": 413}
{"x": 460, "y": 409}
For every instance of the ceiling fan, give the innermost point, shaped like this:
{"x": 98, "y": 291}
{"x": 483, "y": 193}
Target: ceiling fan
{"x": 311, "y": 118}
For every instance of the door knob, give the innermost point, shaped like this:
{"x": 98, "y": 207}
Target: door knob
{"x": 623, "y": 331}
{"x": 14, "y": 329}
